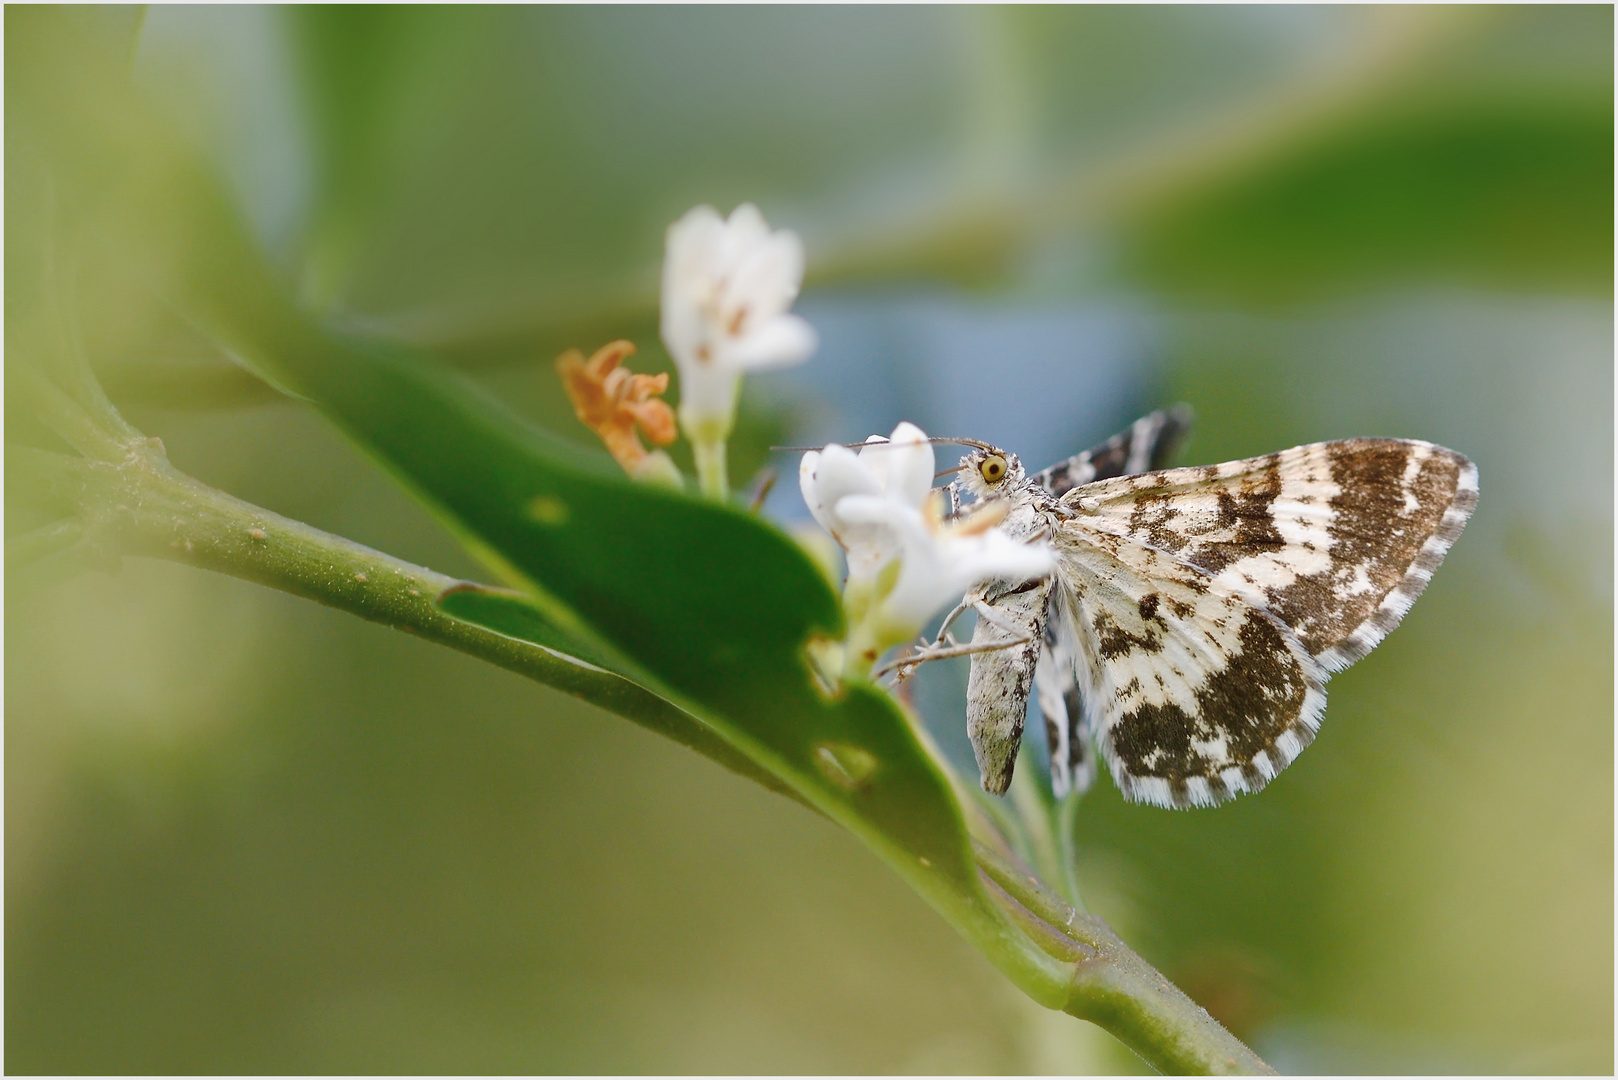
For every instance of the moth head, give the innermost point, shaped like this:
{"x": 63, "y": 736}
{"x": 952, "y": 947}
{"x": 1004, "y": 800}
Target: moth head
{"x": 989, "y": 470}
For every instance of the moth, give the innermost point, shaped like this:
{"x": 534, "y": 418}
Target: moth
{"x": 1195, "y": 614}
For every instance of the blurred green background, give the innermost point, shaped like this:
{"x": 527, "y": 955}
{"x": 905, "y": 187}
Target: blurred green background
{"x": 246, "y": 833}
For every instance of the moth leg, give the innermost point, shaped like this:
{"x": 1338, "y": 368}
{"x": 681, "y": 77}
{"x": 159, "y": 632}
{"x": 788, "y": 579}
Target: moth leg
{"x": 943, "y": 646}
{"x": 926, "y": 655}
{"x": 998, "y": 621}
{"x": 943, "y": 627}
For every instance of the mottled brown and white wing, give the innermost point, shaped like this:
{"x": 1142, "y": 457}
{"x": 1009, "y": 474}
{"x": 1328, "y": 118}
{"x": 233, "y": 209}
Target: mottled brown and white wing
{"x": 1335, "y": 539}
{"x": 1148, "y": 443}
{"x": 1068, "y": 733}
{"x": 1193, "y": 692}
{"x": 1213, "y": 602}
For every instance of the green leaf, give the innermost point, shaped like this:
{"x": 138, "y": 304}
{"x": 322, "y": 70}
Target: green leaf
{"x": 705, "y": 605}
{"x": 510, "y": 613}
{"x": 378, "y": 84}
{"x": 1502, "y": 191}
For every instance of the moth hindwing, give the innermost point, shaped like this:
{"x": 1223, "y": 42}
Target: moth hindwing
{"x": 1196, "y": 613}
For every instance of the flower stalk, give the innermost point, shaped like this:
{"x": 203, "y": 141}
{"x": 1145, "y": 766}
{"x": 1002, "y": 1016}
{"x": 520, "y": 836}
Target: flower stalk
{"x": 708, "y": 452}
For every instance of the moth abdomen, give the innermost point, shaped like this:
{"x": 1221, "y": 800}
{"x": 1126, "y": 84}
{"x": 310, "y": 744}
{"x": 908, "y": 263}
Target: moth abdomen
{"x": 997, "y": 689}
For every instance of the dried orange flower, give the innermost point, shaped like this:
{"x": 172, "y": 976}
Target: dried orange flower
{"x": 611, "y": 400}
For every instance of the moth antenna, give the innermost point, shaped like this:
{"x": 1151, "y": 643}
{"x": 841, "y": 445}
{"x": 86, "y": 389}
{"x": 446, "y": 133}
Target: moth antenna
{"x": 975, "y": 443}
{"x": 847, "y": 446}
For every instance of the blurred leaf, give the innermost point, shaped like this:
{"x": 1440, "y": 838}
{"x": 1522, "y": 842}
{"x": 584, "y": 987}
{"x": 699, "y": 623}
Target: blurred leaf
{"x": 543, "y": 150}
{"x": 705, "y": 604}
{"x": 378, "y": 82}
{"x": 1511, "y": 192}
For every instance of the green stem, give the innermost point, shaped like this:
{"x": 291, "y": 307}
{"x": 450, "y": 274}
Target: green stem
{"x": 141, "y": 505}
{"x": 1067, "y": 830}
{"x": 712, "y": 475}
{"x": 1113, "y": 987}
{"x": 67, "y": 417}
{"x": 1039, "y": 828}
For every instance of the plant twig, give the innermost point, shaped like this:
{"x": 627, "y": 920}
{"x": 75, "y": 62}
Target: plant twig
{"x": 1113, "y": 987}
{"x": 141, "y": 505}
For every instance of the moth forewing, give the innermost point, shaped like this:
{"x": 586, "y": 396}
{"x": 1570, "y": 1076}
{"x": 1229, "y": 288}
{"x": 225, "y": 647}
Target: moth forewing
{"x": 1300, "y": 563}
{"x": 1334, "y": 539}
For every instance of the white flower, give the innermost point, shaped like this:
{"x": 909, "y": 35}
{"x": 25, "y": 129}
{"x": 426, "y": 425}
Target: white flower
{"x": 904, "y": 561}
{"x": 898, "y": 468}
{"x": 728, "y": 287}
{"x": 940, "y": 561}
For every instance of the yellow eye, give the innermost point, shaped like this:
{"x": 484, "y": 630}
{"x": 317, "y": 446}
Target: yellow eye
{"x": 993, "y": 468}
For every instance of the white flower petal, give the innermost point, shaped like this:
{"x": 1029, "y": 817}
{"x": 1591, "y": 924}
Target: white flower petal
{"x": 938, "y": 566}
{"x": 809, "y": 485}
{"x": 782, "y": 342}
{"x": 839, "y": 476}
{"x": 692, "y": 249}
{"x": 764, "y": 281}
{"x": 693, "y": 239}
{"x": 747, "y": 226}
{"x": 909, "y": 460}
{"x": 828, "y": 475}
{"x": 996, "y": 556}
{"x": 862, "y": 509}
{"x": 871, "y": 527}
{"x": 843, "y": 473}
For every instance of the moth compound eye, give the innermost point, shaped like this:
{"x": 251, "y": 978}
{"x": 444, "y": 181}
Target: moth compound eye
{"x": 993, "y": 468}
